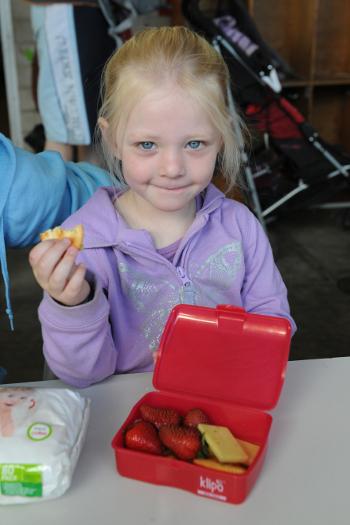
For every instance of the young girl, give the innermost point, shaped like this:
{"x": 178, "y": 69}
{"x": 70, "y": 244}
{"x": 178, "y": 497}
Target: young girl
{"x": 168, "y": 236}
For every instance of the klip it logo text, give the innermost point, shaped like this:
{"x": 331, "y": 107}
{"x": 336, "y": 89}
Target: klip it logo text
{"x": 213, "y": 485}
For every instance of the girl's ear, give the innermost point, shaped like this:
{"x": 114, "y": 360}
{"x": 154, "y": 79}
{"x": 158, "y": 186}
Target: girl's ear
{"x": 103, "y": 125}
{"x": 105, "y": 132}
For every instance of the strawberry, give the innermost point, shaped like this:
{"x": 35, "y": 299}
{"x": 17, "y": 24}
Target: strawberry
{"x": 160, "y": 416}
{"x": 143, "y": 436}
{"x": 194, "y": 417}
{"x": 184, "y": 442}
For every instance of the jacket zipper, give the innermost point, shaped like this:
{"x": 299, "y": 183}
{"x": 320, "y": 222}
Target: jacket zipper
{"x": 188, "y": 292}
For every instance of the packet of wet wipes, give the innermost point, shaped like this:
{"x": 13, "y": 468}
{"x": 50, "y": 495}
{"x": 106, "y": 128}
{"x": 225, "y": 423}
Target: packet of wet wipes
{"x": 42, "y": 432}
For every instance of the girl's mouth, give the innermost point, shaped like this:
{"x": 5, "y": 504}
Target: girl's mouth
{"x": 175, "y": 188}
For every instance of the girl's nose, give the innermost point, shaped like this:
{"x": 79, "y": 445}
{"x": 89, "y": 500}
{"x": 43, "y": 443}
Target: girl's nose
{"x": 172, "y": 164}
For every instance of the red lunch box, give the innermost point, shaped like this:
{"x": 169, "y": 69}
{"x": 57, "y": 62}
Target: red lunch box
{"x": 232, "y": 365}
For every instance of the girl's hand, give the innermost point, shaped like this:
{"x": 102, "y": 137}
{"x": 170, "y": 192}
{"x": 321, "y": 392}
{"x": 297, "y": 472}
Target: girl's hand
{"x": 53, "y": 265}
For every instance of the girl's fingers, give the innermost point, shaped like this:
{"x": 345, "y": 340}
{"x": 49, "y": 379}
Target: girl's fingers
{"x": 61, "y": 273}
{"x": 77, "y": 288}
{"x": 53, "y": 264}
{"x": 39, "y": 250}
{"x": 44, "y": 260}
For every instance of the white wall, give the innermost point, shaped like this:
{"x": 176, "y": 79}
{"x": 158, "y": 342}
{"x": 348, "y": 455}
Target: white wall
{"x": 24, "y": 41}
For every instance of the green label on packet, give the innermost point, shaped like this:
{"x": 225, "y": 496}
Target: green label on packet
{"x": 21, "y": 480}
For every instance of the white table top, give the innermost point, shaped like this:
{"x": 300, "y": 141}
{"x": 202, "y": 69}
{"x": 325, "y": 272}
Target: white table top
{"x": 305, "y": 478}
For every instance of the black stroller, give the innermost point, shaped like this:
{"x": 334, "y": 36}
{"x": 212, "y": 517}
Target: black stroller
{"x": 289, "y": 164}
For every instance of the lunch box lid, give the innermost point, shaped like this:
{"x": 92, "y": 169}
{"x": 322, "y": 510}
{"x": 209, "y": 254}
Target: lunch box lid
{"x": 223, "y": 353}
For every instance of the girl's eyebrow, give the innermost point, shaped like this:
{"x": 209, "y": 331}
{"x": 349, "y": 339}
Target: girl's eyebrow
{"x": 145, "y": 136}
{"x": 142, "y": 135}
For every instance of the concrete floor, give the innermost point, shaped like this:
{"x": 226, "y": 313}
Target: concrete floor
{"x": 312, "y": 251}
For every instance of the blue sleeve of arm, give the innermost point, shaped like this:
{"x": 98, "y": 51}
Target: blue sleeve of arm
{"x": 40, "y": 191}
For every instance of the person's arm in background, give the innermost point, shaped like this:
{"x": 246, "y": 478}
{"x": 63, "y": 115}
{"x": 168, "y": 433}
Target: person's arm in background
{"x": 38, "y": 192}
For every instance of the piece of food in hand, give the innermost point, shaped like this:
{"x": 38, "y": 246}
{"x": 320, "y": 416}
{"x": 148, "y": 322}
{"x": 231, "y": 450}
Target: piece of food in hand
{"x": 250, "y": 448}
{"x": 223, "y": 444}
{"x": 160, "y": 416}
{"x": 76, "y": 235}
{"x": 194, "y": 417}
{"x": 216, "y": 465}
{"x": 184, "y": 442}
{"x": 143, "y": 436}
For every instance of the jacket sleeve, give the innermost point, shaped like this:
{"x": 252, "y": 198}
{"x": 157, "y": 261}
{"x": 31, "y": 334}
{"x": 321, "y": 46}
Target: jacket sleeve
{"x": 78, "y": 343}
{"x": 263, "y": 289}
{"x": 39, "y": 191}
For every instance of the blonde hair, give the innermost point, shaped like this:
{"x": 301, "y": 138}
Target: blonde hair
{"x": 156, "y": 55}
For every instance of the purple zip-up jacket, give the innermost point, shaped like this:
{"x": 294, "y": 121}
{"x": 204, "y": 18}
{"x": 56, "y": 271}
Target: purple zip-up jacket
{"x": 224, "y": 258}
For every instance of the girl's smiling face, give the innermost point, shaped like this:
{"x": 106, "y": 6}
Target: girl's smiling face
{"x": 168, "y": 151}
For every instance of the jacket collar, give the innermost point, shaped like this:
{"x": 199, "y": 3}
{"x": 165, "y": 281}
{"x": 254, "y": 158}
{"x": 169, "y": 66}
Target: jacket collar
{"x": 105, "y": 227}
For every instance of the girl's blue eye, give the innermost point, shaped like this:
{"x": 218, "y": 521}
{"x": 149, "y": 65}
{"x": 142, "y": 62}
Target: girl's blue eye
{"x": 194, "y": 144}
{"x": 147, "y": 145}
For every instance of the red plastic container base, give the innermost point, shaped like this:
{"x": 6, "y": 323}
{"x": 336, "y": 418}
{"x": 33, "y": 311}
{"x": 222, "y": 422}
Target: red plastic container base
{"x": 227, "y": 362}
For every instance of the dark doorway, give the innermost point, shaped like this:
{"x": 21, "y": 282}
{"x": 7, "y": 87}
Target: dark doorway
{"x": 4, "y": 120}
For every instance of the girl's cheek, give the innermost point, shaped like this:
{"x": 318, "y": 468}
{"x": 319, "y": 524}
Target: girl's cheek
{"x": 137, "y": 170}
